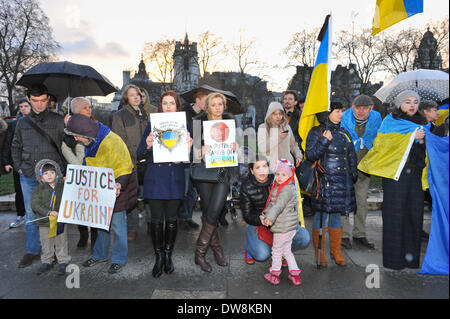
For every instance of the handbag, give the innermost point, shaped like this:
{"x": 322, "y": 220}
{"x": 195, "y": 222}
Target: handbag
{"x": 265, "y": 235}
{"x": 201, "y": 174}
{"x": 310, "y": 176}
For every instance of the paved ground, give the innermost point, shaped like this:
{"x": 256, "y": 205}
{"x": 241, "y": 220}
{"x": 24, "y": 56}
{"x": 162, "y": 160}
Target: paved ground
{"x": 238, "y": 280}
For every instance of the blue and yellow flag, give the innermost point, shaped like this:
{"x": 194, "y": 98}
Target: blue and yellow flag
{"x": 436, "y": 257}
{"x": 318, "y": 95}
{"x": 389, "y": 12}
{"x": 55, "y": 227}
{"x": 390, "y": 148}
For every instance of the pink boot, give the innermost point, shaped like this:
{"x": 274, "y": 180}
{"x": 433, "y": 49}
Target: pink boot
{"x": 294, "y": 276}
{"x": 273, "y": 276}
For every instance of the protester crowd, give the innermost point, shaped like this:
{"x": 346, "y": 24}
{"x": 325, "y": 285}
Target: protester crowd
{"x": 38, "y": 146}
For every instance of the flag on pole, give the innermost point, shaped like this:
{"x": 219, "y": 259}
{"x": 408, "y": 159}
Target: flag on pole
{"x": 318, "y": 95}
{"x": 389, "y": 12}
{"x": 55, "y": 227}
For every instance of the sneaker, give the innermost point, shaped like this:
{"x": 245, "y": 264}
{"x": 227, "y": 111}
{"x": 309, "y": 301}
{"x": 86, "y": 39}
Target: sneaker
{"x": 19, "y": 221}
{"x": 115, "y": 268}
{"x": 364, "y": 242}
{"x": 346, "y": 243}
{"x": 91, "y": 262}
{"x": 62, "y": 269}
{"x": 27, "y": 260}
{"x": 44, "y": 268}
{"x": 248, "y": 258}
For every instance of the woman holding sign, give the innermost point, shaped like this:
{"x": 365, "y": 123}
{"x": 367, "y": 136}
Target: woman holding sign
{"x": 213, "y": 194}
{"x": 163, "y": 188}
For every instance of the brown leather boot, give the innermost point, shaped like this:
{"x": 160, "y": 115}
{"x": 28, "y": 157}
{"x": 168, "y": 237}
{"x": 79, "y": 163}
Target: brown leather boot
{"x": 217, "y": 249}
{"x": 335, "y": 246}
{"x": 323, "y": 259}
{"x": 202, "y": 245}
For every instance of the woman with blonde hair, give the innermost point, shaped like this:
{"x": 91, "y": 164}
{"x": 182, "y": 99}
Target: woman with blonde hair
{"x": 213, "y": 194}
{"x": 276, "y": 139}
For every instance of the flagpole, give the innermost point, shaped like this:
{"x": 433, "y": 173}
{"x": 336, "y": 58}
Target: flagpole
{"x": 35, "y": 220}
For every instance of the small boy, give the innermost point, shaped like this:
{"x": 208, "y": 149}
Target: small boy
{"x": 45, "y": 202}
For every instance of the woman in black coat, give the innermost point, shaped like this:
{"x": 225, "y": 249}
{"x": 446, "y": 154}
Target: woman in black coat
{"x": 332, "y": 144}
{"x": 213, "y": 195}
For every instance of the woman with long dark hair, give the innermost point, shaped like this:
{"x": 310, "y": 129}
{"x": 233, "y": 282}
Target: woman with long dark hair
{"x": 164, "y": 190}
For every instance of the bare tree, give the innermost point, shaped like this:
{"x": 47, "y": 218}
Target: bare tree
{"x": 363, "y": 50}
{"x": 399, "y": 50}
{"x": 159, "y": 56}
{"x": 26, "y": 39}
{"x": 303, "y": 48}
{"x": 243, "y": 53}
{"x": 210, "y": 48}
{"x": 440, "y": 32}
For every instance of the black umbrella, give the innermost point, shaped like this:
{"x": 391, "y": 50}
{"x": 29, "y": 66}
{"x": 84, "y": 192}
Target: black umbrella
{"x": 66, "y": 79}
{"x": 233, "y": 104}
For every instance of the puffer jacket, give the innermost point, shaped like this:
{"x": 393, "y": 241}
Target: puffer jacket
{"x": 253, "y": 198}
{"x": 282, "y": 210}
{"x": 28, "y": 146}
{"x": 338, "y": 157}
{"x": 40, "y": 201}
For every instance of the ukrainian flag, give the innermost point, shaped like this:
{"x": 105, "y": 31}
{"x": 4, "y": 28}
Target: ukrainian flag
{"x": 318, "y": 96}
{"x": 389, "y": 12}
{"x": 55, "y": 227}
{"x": 391, "y": 148}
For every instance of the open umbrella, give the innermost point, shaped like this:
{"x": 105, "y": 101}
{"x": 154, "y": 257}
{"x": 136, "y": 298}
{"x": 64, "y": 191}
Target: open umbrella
{"x": 67, "y": 79}
{"x": 233, "y": 104}
{"x": 429, "y": 84}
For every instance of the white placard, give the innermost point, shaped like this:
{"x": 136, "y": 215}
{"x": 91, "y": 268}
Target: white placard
{"x": 89, "y": 196}
{"x": 220, "y": 135}
{"x": 170, "y": 144}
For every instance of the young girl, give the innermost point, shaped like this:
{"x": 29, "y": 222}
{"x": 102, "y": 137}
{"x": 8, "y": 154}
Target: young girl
{"x": 281, "y": 213}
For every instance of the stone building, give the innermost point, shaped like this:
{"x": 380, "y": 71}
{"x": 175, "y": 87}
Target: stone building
{"x": 428, "y": 56}
{"x": 186, "y": 70}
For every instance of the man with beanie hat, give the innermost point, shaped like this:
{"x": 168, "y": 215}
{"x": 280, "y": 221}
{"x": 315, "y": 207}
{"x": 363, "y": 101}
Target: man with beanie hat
{"x": 362, "y": 122}
{"x": 106, "y": 149}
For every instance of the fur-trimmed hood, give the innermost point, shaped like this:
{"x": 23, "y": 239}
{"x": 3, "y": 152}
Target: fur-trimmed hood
{"x": 38, "y": 170}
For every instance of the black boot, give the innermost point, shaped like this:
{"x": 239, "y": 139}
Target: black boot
{"x": 170, "y": 235}
{"x": 157, "y": 234}
{"x": 84, "y": 236}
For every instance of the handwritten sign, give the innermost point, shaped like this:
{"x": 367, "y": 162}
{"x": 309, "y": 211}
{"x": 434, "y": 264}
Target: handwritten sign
{"x": 89, "y": 196}
{"x": 220, "y": 135}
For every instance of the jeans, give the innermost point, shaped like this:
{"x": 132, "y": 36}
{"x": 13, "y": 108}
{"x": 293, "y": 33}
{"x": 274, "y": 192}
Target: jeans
{"x": 260, "y": 251}
{"x": 334, "y": 221}
{"x": 33, "y": 244}
{"x": 190, "y": 197}
{"x": 120, "y": 246}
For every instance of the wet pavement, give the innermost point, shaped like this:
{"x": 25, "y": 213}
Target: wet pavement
{"x": 363, "y": 278}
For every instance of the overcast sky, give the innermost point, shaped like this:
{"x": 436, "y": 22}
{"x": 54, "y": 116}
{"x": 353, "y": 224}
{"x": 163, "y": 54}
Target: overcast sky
{"x": 110, "y": 35}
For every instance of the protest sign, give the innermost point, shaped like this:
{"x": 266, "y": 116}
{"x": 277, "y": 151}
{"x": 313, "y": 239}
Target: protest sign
{"x": 220, "y": 135}
{"x": 170, "y": 143}
{"x": 89, "y": 196}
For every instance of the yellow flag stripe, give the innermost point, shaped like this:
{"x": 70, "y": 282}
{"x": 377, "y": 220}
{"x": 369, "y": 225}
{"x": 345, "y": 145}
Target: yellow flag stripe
{"x": 388, "y": 13}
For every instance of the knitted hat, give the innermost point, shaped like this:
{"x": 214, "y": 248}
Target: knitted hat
{"x": 362, "y": 100}
{"x": 284, "y": 166}
{"x": 83, "y": 126}
{"x": 401, "y": 97}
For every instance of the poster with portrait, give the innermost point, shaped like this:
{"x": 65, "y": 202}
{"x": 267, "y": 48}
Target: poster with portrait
{"x": 220, "y": 135}
{"x": 170, "y": 144}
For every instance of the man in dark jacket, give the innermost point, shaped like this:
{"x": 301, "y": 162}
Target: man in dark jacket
{"x": 293, "y": 112}
{"x": 37, "y": 136}
{"x": 191, "y": 194}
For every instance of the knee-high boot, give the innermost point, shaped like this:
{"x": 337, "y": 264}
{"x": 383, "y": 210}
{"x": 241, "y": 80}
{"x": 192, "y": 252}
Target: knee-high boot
{"x": 170, "y": 235}
{"x": 157, "y": 234}
{"x": 202, "y": 245}
{"x": 335, "y": 246}
{"x": 323, "y": 259}
{"x": 217, "y": 248}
